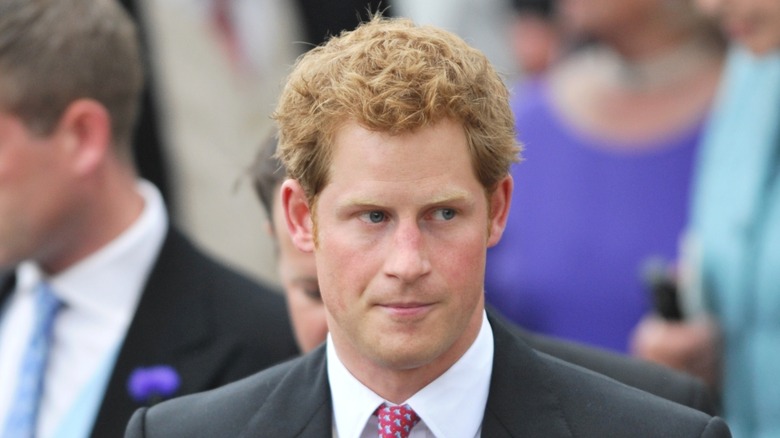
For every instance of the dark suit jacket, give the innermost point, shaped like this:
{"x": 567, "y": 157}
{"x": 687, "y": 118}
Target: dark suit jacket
{"x": 647, "y": 376}
{"x": 211, "y": 324}
{"x": 532, "y": 394}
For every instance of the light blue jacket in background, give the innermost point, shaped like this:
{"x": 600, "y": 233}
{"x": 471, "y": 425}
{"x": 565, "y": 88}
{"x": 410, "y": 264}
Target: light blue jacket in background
{"x": 736, "y": 225}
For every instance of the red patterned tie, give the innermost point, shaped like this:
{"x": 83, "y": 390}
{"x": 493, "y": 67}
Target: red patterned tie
{"x": 396, "y": 421}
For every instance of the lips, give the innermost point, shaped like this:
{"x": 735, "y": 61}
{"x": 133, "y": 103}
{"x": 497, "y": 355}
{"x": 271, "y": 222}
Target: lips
{"x": 406, "y": 310}
{"x": 403, "y": 305}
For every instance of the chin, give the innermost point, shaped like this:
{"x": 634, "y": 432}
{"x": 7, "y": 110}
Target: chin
{"x": 403, "y": 361}
{"x": 406, "y": 354}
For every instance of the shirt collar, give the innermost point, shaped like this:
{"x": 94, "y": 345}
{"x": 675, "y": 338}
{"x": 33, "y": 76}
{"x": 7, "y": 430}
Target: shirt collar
{"x": 353, "y": 402}
{"x": 108, "y": 283}
{"x": 452, "y": 405}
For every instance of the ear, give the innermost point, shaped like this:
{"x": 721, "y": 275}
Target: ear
{"x": 500, "y": 201}
{"x": 85, "y": 131}
{"x": 297, "y": 214}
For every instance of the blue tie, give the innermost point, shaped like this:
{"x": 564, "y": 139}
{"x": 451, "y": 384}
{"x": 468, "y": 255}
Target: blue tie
{"x": 22, "y": 417}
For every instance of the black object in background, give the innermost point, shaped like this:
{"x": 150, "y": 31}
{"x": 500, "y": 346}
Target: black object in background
{"x": 324, "y": 18}
{"x": 149, "y": 150}
{"x": 663, "y": 288}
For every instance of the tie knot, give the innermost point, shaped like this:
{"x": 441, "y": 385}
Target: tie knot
{"x": 396, "y": 421}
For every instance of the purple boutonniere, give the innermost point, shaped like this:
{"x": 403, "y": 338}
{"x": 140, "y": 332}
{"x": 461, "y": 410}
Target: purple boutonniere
{"x": 152, "y": 385}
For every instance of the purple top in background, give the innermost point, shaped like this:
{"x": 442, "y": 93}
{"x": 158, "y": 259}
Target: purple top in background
{"x": 584, "y": 217}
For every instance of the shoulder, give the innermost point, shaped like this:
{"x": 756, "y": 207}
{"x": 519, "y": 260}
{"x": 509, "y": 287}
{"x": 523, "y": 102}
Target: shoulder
{"x": 296, "y": 391}
{"x": 225, "y": 411}
{"x": 596, "y": 405}
{"x": 655, "y": 379}
{"x": 564, "y": 399}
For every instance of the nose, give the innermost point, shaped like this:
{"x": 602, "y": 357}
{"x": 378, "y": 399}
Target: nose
{"x": 407, "y": 259}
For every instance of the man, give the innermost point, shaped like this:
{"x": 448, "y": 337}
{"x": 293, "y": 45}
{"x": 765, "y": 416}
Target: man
{"x": 296, "y": 269}
{"x": 398, "y": 141}
{"x": 99, "y": 283}
{"x": 298, "y": 274}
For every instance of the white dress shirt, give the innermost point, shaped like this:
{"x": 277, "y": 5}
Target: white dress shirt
{"x": 99, "y": 295}
{"x": 453, "y": 405}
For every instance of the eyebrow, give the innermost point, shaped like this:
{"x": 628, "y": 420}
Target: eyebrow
{"x": 449, "y": 197}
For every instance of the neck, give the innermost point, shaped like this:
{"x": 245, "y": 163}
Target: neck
{"x": 399, "y": 383}
{"x": 107, "y": 204}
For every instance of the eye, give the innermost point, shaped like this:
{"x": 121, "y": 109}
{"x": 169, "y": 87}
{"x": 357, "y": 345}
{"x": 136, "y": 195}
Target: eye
{"x": 374, "y": 217}
{"x": 313, "y": 294}
{"x": 445, "y": 214}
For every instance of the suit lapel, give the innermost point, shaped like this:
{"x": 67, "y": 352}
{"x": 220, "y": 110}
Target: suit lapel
{"x": 522, "y": 399}
{"x": 300, "y": 406}
{"x": 162, "y": 333}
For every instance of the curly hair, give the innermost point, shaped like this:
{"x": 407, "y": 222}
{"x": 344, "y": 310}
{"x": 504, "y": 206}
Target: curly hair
{"x": 389, "y": 75}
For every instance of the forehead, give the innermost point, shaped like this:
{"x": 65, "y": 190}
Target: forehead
{"x": 435, "y": 145}
{"x": 406, "y": 158}
{"x": 435, "y": 154}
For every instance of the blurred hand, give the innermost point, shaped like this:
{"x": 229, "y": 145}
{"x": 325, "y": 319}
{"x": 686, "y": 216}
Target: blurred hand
{"x": 690, "y": 346}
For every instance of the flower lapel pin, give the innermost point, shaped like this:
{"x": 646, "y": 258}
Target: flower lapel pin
{"x": 150, "y": 385}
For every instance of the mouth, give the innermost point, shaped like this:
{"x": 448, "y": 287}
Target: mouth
{"x": 406, "y": 310}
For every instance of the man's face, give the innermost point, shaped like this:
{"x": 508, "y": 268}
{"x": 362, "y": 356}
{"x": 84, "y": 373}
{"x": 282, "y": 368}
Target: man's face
{"x": 753, "y": 23}
{"x": 403, "y": 227}
{"x": 32, "y": 195}
{"x": 298, "y": 274}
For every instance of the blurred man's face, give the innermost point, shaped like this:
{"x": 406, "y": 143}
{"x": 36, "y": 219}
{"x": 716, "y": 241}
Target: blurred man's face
{"x": 752, "y": 23}
{"x": 33, "y": 194}
{"x": 298, "y": 274}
